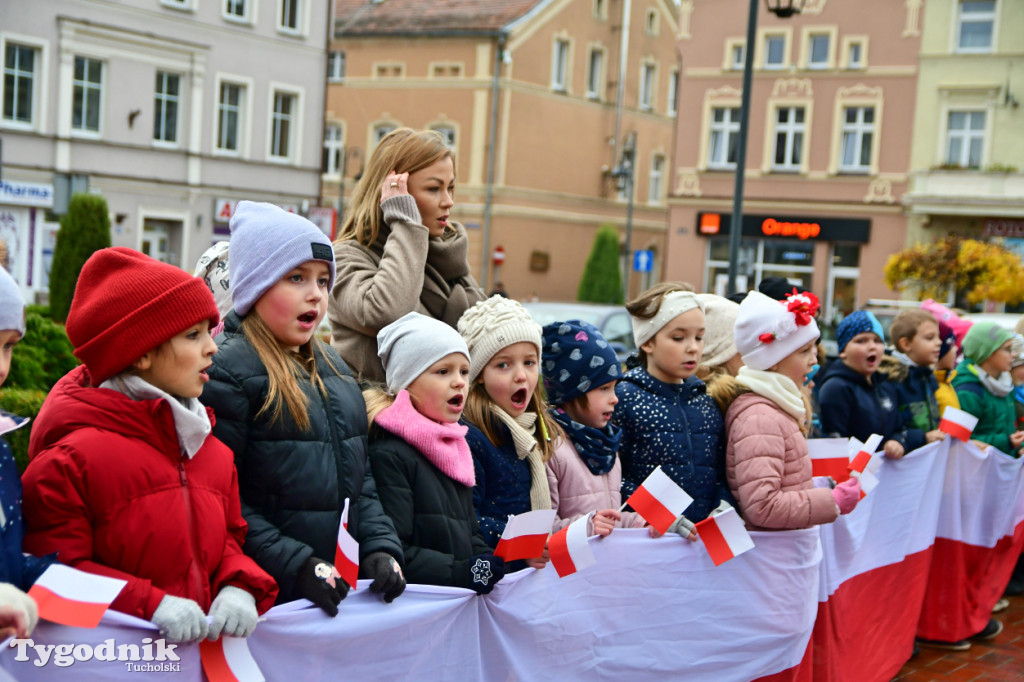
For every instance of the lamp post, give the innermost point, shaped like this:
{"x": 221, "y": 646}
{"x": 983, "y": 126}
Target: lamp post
{"x": 623, "y": 174}
{"x": 782, "y": 9}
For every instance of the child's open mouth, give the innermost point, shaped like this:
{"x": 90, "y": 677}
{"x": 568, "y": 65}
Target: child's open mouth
{"x": 308, "y": 319}
{"x": 872, "y": 359}
{"x": 519, "y": 398}
{"x": 455, "y": 402}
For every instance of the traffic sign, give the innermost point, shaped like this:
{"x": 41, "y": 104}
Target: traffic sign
{"x": 643, "y": 261}
{"x": 499, "y": 255}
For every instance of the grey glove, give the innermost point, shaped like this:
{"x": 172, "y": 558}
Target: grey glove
{"x": 180, "y": 620}
{"x": 233, "y": 612}
{"x": 683, "y": 526}
{"x": 386, "y": 573}
{"x": 722, "y": 506}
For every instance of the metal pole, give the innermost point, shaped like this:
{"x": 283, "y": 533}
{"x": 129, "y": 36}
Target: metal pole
{"x": 630, "y": 165}
{"x": 736, "y": 223}
{"x": 492, "y": 134}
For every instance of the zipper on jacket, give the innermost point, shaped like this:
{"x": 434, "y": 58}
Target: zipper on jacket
{"x": 200, "y": 582}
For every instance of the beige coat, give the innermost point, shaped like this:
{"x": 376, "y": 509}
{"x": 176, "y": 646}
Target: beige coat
{"x": 405, "y": 270}
{"x": 769, "y": 470}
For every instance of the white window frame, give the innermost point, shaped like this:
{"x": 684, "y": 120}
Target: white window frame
{"x": 379, "y": 130}
{"x": 560, "y": 51}
{"x": 595, "y": 76}
{"x": 294, "y": 119}
{"x": 737, "y": 56}
{"x": 656, "y": 179}
{"x": 975, "y": 18}
{"x": 299, "y": 19}
{"x": 87, "y": 86}
{"x": 248, "y": 16}
{"x": 161, "y": 102}
{"x": 37, "y": 77}
{"x": 672, "y": 101}
{"x": 774, "y": 66}
{"x": 723, "y": 130}
{"x": 185, "y": 5}
{"x": 336, "y": 66}
{"x": 243, "y": 129}
{"x": 847, "y": 46}
{"x": 334, "y": 148}
{"x": 823, "y": 64}
{"x": 863, "y": 133}
{"x": 793, "y": 131}
{"x": 966, "y": 135}
{"x": 449, "y": 132}
{"x": 601, "y": 10}
{"x": 648, "y": 85}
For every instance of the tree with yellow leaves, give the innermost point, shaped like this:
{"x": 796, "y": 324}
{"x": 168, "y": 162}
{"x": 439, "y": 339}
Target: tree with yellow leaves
{"x": 977, "y": 270}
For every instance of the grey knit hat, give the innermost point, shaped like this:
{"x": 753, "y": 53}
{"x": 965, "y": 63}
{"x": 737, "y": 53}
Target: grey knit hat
{"x": 411, "y": 344}
{"x": 492, "y": 325}
{"x": 12, "y": 305}
{"x": 266, "y": 243}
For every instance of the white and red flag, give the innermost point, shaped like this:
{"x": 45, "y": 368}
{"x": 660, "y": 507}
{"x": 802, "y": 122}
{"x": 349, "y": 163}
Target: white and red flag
{"x": 864, "y": 451}
{"x": 346, "y": 553}
{"x": 724, "y": 536}
{"x": 68, "y": 596}
{"x": 957, "y": 423}
{"x": 659, "y": 500}
{"x": 228, "y": 659}
{"x": 830, "y": 457}
{"x": 525, "y": 535}
{"x": 569, "y": 548}
{"x": 869, "y": 477}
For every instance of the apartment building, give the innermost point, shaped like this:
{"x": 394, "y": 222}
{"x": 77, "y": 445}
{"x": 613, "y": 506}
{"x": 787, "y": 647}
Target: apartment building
{"x": 831, "y": 123}
{"x": 173, "y": 110}
{"x": 573, "y": 81}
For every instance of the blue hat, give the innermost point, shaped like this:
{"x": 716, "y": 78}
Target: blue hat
{"x": 12, "y": 305}
{"x": 576, "y": 359}
{"x": 857, "y": 322}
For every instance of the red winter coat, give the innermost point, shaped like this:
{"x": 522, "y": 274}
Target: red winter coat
{"x": 108, "y": 489}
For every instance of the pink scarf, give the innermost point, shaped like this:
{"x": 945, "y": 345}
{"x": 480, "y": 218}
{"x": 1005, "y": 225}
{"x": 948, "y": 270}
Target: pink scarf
{"x": 444, "y": 445}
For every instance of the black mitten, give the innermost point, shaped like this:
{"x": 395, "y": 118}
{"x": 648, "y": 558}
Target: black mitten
{"x": 386, "y": 573}
{"x": 479, "y": 573}
{"x": 312, "y": 583}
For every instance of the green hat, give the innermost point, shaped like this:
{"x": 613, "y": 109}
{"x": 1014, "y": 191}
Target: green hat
{"x": 983, "y": 339}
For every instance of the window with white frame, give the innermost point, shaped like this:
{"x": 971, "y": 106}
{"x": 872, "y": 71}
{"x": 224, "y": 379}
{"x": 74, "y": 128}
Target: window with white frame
{"x": 858, "y": 136}
{"x": 673, "y": 93}
{"x": 447, "y": 132}
{"x": 965, "y": 138}
{"x": 789, "y": 138}
{"x": 165, "y": 107}
{"x": 656, "y": 179}
{"x": 332, "y": 150}
{"x": 975, "y": 23}
{"x": 21, "y": 63}
{"x": 647, "y": 75}
{"x": 855, "y": 55}
{"x": 774, "y": 52}
{"x": 818, "y": 51}
{"x": 600, "y": 9}
{"x": 236, "y": 9}
{"x": 282, "y": 124}
{"x": 87, "y": 95}
{"x": 559, "y": 64}
{"x": 381, "y": 131}
{"x": 177, "y": 4}
{"x": 725, "y": 135}
{"x": 335, "y": 66}
{"x": 289, "y": 18}
{"x": 595, "y": 68}
{"x": 229, "y": 116}
{"x": 737, "y": 57}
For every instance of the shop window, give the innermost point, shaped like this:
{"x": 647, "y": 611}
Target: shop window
{"x": 787, "y": 252}
{"x": 846, "y": 256}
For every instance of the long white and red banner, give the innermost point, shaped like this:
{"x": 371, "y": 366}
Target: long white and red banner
{"x": 837, "y": 602}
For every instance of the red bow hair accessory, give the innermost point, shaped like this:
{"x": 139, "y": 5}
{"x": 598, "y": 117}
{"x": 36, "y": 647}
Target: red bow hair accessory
{"x": 803, "y": 305}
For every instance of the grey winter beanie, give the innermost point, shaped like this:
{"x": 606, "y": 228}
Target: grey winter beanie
{"x": 411, "y": 344}
{"x": 492, "y": 325}
{"x": 12, "y": 305}
{"x": 266, "y": 243}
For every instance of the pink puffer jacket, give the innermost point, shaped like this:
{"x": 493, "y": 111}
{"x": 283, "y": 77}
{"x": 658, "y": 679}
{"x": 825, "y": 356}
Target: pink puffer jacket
{"x": 575, "y": 491}
{"x": 769, "y": 470}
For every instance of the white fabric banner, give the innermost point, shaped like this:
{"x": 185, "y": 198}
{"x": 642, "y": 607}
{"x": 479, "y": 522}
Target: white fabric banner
{"x": 983, "y": 499}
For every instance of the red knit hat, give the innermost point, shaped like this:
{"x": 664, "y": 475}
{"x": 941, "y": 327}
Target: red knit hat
{"x": 126, "y": 304}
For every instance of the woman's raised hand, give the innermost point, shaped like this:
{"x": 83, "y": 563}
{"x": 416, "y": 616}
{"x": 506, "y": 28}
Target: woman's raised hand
{"x": 395, "y": 184}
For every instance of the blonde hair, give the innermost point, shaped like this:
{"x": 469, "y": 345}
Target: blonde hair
{"x": 479, "y": 411}
{"x": 377, "y": 400}
{"x": 721, "y": 386}
{"x": 403, "y": 150}
{"x": 285, "y": 369}
{"x": 646, "y": 305}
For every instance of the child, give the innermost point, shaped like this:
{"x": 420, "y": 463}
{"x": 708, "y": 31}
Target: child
{"x": 584, "y": 474}
{"x": 666, "y": 416}
{"x": 915, "y": 334}
{"x": 124, "y": 478}
{"x": 420, "y": 458}
{"x": 510, "y": 433}
{"x": 945, "y": 369}
{"x": 855, "y": 398}
{"x": 18, "y": 613}
{"x": 720, "y": 361}
{"x": 294, "y": 417}
{"x": 766, "y": 458}
{"x": 985, "y": 388}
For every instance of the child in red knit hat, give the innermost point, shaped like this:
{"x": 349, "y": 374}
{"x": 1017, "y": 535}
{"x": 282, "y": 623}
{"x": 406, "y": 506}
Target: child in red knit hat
{"x": 125, "y": 478}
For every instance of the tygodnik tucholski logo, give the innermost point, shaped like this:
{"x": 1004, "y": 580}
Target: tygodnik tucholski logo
{"x": 152, "y": 656}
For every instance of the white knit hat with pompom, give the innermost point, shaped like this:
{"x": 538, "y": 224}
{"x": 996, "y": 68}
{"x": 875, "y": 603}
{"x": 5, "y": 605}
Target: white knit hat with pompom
{"x": 492, "y": 325}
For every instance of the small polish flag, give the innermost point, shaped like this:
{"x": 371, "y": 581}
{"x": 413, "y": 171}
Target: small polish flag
{"x": 957, "y": 423}
{"x": 68, "y": 596}
{"x": 864, "y": 451}
{"x": 724, "y": 536}
{"x": 569, "y": 548}
{"x": 829, "y": 457}
{"x": 228, "y": 660}
{"x": 346, "y": 553}
{"x": 525, "y": 535}
{"x": 659, "y": 500}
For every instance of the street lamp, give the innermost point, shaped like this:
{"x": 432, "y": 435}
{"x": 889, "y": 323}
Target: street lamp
{"x": 781, "y": 9}
{"x": 623, "y": 174}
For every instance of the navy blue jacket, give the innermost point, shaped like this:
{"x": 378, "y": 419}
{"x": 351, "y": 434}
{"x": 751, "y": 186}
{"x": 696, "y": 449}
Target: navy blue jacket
{"x": 678, "y": 426}
{"x": 915, "y": 396}
{"x": 850, "y": 406}
{"x": 502, "y": 481}
{"x": 18, "y": 569}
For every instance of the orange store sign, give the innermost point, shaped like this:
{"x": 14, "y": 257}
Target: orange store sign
{"x": 774, "y": 228}
{"x": 824, "y": 228}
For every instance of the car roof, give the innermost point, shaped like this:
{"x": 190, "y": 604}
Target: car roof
{"x": 546, "y": 312}
{"x": 1006, "y": 320}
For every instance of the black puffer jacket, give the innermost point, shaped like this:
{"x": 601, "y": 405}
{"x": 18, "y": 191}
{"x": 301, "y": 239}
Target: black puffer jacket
{"x": 433, "y": 514}
{"x": 293, "y": 484}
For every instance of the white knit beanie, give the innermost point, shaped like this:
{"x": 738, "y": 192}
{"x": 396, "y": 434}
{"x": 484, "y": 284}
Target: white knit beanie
{"x": 411, "y": 344}
{"x": 12, "y": 305}
{"x": 492, "y": 325}
{"x": 768, "y": 330}
{"x": 719, "y": 325}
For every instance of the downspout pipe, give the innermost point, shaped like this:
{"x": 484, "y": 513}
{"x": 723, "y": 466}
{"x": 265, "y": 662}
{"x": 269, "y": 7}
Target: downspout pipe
{"x": 485, "y": 258}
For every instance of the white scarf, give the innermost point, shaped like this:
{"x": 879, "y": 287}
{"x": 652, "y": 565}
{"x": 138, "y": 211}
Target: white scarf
{"x": 998, "y": 386}
{"x": 522, "y": 429}
{"x": 191, "y": 422}
{"x": 778, "y": 388}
